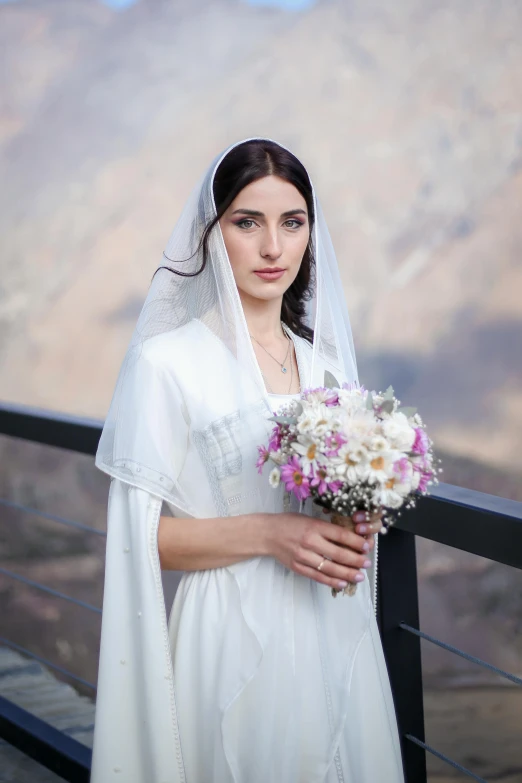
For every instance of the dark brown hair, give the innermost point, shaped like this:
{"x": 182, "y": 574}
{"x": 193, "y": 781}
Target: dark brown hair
{"x": 244, "y": 164}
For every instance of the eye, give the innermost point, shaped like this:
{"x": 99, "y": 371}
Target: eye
{"x": 241, "y": 223}
{"x": 293, "y": 223}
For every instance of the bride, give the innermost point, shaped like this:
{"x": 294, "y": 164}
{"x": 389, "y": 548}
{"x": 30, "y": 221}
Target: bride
{"x": 256, "y": 674}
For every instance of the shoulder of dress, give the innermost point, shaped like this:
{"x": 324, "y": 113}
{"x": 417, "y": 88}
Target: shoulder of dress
{"x": 174, "y": 344}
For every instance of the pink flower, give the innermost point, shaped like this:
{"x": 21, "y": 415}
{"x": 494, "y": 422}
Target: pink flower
{"x": 294, "y": 479}
{"x": 421, "y": 444}
{"x": 334, "y": 443}
{"x": 352, "y": 386}
{"x": 275, "y": 440}
{"x": 319, "y": 481}
{"x": 321, "y": 394}
{"x": 401, "y": 466}
{"x": 335, "y": 486}
{"x": 423, "y": 483}
{"x": 332, "y": 399}
{"x": 262, "y": 458}
{"x": 323, "y": 485}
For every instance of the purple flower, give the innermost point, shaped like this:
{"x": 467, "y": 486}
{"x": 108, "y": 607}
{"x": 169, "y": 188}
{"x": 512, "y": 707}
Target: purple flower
{"x": 320, "y": 481}
{"x": 423, "y": 483}
{"x": 335, "y": 486}
{"x": 262, "y": 458}
{"x": 275, "y": 439}
{"x": 294, "y": 479}
{"x": 351, "y": 386}
{"x": 401, "y": 466}
{"x": 421, "y": 444}
{"x": 332, "y": 399}
{"x": 334, "y": 443}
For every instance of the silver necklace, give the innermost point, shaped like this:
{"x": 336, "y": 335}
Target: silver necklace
{"x": 269, "y": 388}
{"x": 283, "y": 368}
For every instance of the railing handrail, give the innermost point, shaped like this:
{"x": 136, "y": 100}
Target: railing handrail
{"x": 472, "y": 521}
{"x": 51, "y": 428}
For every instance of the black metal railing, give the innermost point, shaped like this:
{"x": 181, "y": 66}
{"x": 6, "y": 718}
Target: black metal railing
{"x": 461, "y": 518}
{"x": 452, "y": 515}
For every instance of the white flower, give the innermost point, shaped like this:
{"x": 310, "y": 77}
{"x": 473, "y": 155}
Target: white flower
{"x": 381, "y": 466}
{"x": 318, "y": 395}
{"x": 274, "y": 478}
{"x": 352, "y": 463}
{"x": 278, "y": 457}
{"x": 351, "y": 400}
{"x": 307, "y": 421}
{"x": 384, "y": 496}
{"x": 316, "y": 419}
{"x": 415, "y": 479}
{"x": 379, "y": 443}
{"x": 308, "y": 452}
{"x": 399, "y": 431}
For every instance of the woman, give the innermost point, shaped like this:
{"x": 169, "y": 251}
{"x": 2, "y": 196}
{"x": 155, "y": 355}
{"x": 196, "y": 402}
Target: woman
{"x": 259, "y": 674}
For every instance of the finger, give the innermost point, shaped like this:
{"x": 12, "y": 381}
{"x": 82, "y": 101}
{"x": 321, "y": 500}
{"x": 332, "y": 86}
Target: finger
{"x": 355, "y": 576}
{"x": 342, "y": 536}
{"x": 343, "y": 565}
{"x": 368, "y": 528}
{"x": 371, "y": 543}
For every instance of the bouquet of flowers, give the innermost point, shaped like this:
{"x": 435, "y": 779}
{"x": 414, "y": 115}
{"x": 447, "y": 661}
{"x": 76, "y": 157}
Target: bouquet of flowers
{"x": 350, "y": 449}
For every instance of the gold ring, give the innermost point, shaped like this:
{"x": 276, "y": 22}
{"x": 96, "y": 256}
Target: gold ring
{"x": 321, "y": 564}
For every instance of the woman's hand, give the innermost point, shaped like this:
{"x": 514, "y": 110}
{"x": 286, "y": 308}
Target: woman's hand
{"x": 301, "y": 542}
{"x": 368, "y": 528}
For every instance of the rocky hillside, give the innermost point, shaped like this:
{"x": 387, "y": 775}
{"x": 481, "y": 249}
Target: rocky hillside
{"x": 408, "y": 115}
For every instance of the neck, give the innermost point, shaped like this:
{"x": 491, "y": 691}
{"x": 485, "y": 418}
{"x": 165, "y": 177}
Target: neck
{"x": 263, "y": 317}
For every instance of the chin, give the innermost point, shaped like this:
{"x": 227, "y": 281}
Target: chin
{"x": 265, "y": 291}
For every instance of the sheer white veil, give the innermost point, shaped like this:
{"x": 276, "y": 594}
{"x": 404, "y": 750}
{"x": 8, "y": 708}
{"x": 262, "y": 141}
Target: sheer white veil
{"x": 190, "y": 344}
{"x": 188, "y": 412}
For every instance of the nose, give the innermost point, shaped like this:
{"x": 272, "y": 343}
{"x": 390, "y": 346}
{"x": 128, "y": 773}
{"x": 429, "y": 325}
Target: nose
{"x": 271, "y": 245}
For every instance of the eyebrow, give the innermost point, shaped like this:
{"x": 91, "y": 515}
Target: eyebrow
{"x": 256, "y": 213}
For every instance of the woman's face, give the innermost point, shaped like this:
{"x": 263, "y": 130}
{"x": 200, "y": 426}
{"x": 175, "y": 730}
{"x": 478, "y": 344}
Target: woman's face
{"x": 266, "y": 232}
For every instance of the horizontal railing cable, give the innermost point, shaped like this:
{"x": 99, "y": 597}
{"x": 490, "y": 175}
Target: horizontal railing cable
{"x": 52, "y": 517}
{"x": 49, "y": 590}
{"x": 465, "y": 655}
{"x": 441, "y": 756}
{"x": 40, "y": 659}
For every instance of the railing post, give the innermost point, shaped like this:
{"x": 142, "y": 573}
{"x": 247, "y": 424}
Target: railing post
{"x": 398, "y": 602}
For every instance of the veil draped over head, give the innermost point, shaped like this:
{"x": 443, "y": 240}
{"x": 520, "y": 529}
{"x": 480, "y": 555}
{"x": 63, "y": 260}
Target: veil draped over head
{"x": 189, "y": 410}
{"x": 197, "y": 324}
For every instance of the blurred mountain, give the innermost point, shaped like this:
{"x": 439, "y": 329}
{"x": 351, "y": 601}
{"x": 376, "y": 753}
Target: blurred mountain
{"x": 408, "y": 115}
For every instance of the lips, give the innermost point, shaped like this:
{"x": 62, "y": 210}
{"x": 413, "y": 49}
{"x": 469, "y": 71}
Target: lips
{"x": 270, "y": 274}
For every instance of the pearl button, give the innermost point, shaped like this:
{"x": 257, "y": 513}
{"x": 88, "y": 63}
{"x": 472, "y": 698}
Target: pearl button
{"x": 126, "y": 549}
{"x": 122, "y": 660}
{"x": 138, "y": 470}
{"x": 139, "y": 614}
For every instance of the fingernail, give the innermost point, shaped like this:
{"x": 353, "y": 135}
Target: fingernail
{"x": 359, "y": 516}
{"x": 359, "y": 577}
{"x": 342, "y": 584}
{"x": 367, "y": 563}
{"x": 365, "y": 547}
{"x": 362, "y": 528}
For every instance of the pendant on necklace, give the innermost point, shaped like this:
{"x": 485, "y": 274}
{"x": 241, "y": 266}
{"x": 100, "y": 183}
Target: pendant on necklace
{"x": 283, "y": 369}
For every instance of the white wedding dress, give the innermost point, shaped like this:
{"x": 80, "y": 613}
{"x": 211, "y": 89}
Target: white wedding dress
{"x": 287, "y": 707}
{"x": 256, "y": 674}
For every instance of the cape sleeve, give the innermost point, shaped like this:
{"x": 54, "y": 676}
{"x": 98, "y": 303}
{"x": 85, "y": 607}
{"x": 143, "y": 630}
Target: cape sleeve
{"x": 145, "y": 438}
{"x": 136, "y": 732}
